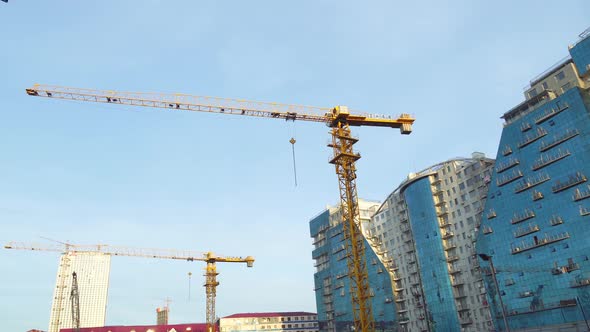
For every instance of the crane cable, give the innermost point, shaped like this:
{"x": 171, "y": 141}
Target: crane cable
{"x": 292, "y": 141}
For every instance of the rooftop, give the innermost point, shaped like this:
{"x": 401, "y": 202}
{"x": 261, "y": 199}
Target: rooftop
{"x": 270, "y": 314}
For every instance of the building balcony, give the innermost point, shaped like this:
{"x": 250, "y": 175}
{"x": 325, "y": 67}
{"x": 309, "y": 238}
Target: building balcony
{"x": 454, "y": 270}
{"x": 404, "y": 219}
{"x": 405, "y": 228}
{"x": 546, "y": 160}
{"x": 522, "y": 231}
{"x": 548, "y": 306}
{"x": 442, "y": 211}
{"x": 449, "y": 245}
{"x": 531, "y": 182}
{"x": 462, "y": 308}
{"x": 442, "y": 223}
{"x": 580, "y": 283}
{"x": 507, "y": 150}
{"x": 520, "y": 217}
{"x": 491, "y": 214}
{"x": 465, "y": 320}
{"x": 448, "y": 235}
{"x": 528, "y": 139}
{"x": 555, "y": 141}
{"x": 506, "y": 179}
{"x": 580, "y": 194}
{"x": 584, "y": 211}
{"x": 551, "y": 113}
{"x": 539, "y": 242}
{"x": 556, "y": 220}
{"x": 459, "y": 295}
{"x": 456, "y": 282}
{"x": 400, "y": 300}
{"x": 487, "y": 230}
{"x": 507, "y": 165}
{"x": 572, "y": 180}
{"x": 451, "y": 259}
{"x": 439, "y": 201}
{"x": 437, "y": 189}
{"x": 537, "y": 195}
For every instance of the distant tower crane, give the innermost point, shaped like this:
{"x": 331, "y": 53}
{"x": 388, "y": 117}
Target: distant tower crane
{"x": 75, "y": 302}
{"x": 210, "y": 258}
{"x": 339, "y": 119}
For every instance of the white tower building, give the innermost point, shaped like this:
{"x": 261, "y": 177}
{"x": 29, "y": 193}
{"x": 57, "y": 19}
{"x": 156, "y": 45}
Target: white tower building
{"x": 92, "y": 270}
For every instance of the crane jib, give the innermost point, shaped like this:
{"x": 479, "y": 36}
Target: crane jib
{"x": 339, "y": 118}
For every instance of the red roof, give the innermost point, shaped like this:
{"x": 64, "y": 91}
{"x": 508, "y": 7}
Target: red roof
{"x": 271, "y": 314}
{"x": 144, "y": 328}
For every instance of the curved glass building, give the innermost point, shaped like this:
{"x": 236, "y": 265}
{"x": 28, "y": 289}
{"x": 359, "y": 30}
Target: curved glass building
{"x": 427, "y": 226}
{"x": 536, "y": 223}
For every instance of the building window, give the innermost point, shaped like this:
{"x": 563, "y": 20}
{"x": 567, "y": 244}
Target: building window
{"x": 560, "y": 76}
{"x": 566, "y": 87}
{"x": 545, "y": 86}
{"x": 533, "y": 92}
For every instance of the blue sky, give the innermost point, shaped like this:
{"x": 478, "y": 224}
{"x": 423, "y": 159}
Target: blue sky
{"x": 92, "y": 173}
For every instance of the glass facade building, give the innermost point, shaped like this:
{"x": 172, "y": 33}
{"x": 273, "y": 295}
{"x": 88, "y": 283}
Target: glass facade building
{"x": 332, "y": 285}
{"x": 536, "y": 222}
{"x": 427, "y": 226}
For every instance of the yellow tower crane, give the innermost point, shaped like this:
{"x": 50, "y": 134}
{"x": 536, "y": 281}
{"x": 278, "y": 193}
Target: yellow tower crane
{"x": 210, "y": 258}
{"x": 339, "y": 119}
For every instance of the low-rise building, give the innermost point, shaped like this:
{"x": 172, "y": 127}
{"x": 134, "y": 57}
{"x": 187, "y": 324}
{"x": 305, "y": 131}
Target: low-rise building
{"x": 298, "y": 321}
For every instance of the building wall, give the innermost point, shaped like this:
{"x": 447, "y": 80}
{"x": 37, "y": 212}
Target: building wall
{"x": 303, "y": 322}
{"x": 145, "y": 328}
{"x": 427, "y": 227}
{"x": 560, "y": 79}
{"x": 580, "y": 53}
{"x": 431, "y": 256}
{"x": 331, "y": 278}
{"x": 92, "y": 271}
{"x": 536, "y": 220}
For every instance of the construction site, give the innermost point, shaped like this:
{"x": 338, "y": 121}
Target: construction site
{"x": 124, "y": 204}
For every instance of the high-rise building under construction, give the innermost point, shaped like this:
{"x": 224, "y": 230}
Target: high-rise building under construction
{"x": 536, "y": 222}
{"x": 92, "y": 270}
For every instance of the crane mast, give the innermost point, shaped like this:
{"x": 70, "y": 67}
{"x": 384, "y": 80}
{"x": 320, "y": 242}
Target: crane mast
{"x": 75, "y": 303}
{"x": 339, "y": 119}
{"x": 210, "y": 258}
